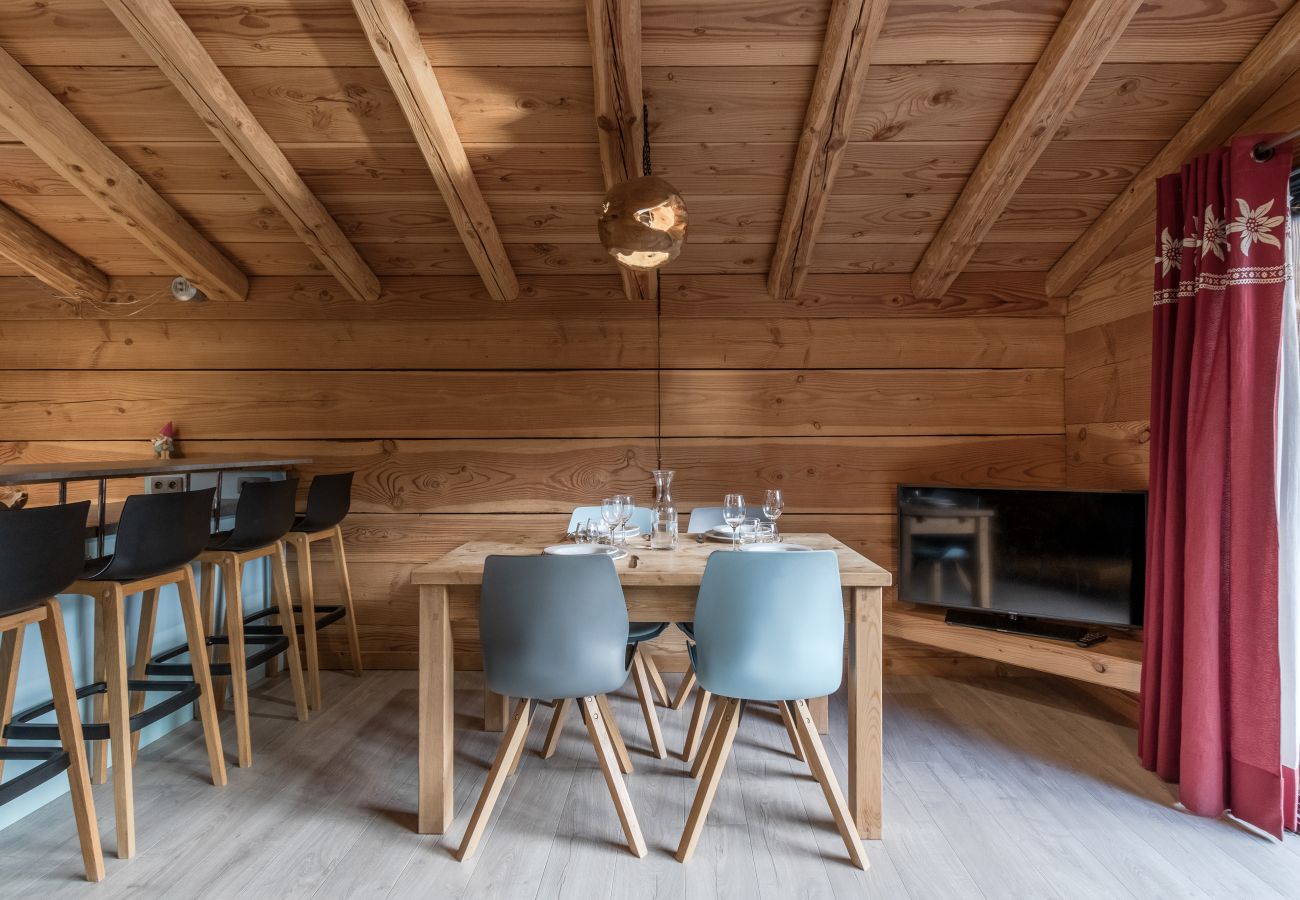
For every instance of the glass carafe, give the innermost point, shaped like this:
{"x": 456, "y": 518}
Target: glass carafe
{"x": 663, "y": 521}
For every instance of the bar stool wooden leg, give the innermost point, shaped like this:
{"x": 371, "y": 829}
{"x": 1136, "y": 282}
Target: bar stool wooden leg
{"x": 345, "y": 594}
{"x": 641, "y": 679}
{"x": 63, "y": 689}
{"x": 208, "y": 603}
{"x": 696, "y": 729}
{"x": 512, "y": 746}
{"x": 600, "y": 739}
{"x": 280, "y": 587}
{"x": 557, "y": 727}
{"x": 143, "y": 650}
{"x": 99, "y": 703}
{"x": 119, "y": 724}
{"x": 194, "y": 636}
{"x": 729, "y": 714}
{"x": 230, "y": 572}
{"x": 307, "y": 595}
{"x": 684, "y": 689}
{"x": 11, "y": 653}
{"x": 825, "y": 775}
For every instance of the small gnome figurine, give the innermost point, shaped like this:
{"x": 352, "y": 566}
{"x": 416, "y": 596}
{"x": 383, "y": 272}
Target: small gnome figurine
{"x": 165, "y": 443}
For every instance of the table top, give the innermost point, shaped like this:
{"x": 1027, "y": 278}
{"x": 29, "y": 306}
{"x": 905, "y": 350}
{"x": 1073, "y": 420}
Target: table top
{"x": 682, "y": 567}
{"x": 44, "y": 473}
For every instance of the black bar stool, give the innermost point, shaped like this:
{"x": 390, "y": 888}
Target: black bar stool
{"x": 41, "y": 553}
{"x": 158, "y": 536}
{"x": 328, "y": 501}
{"x": 263, "y": 515}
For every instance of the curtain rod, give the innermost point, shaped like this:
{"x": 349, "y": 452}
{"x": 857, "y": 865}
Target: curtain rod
{"x": 1264, "y": 150}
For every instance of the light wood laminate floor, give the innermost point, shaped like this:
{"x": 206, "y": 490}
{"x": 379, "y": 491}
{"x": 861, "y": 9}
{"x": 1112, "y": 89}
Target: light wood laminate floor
{"x": 1006, "y": 788}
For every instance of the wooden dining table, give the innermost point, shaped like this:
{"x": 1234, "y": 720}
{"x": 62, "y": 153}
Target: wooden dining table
{"x": 659, "y": 586}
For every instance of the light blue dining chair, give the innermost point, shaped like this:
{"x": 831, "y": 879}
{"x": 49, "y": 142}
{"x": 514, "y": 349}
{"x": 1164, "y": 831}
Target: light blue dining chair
{"x": 646, "y": 678}
{"x": 641, "y": 518}
{"x": 553, "y": 628}
{"x": 706, "y": 518}
{"x": 768, "y": 627}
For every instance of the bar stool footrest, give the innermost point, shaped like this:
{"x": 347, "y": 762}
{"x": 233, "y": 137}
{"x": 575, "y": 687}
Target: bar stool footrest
{"x": 272, "y": 645}
{"x": 53, "y": 760}
{"x": 325, "y": 616}
{"x": 180, "y": 694}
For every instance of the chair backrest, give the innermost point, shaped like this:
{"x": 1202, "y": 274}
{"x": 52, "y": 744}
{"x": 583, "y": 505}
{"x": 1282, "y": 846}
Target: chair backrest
{"x": 328, "y": 501}
{"x": 42, "y": 550}
{"x": 263, "y": 514}
{"x": 553, "y": 626}
{"x": 159, "y": 533}
{"x": 642, "y": 517}
{"x": 705, "y": 518}
{"x": 770, "y": 626}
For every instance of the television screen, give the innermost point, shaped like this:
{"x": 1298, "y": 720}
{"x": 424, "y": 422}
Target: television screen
{"x": 1077, "y": 556}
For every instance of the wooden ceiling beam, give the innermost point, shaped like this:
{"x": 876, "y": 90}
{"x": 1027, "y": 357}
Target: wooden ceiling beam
{"x": 851, "y": 32}
{"x": 614, "y": 32}
{"x": 49, "y": 261}
{"x": 396, "y": 43}
{"x": 1275, "y": 58}
{"x": 171, "y": 44}
{"x": 1085, "y": 36}
{"x": 54, "y": 134}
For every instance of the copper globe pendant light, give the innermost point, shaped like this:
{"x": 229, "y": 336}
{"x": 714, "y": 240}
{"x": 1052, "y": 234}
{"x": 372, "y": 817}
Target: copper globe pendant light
{"x": 642, "y": 221}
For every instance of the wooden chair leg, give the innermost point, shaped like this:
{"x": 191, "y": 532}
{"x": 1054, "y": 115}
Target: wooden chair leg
{"x": 557, "y": 727}
{"x": 820, "y": 707}
{"x": 710, "y": 739}
{"x": 696, "y": 730}
{"x": 729, "y": 711}
{"x": 194, "y": 637}
{"x": 600, "y": 733}
{"x": 512, "y": 745}
{"x": 119, "y": 720}
{"x": 280, "y": 587}
{"x": 641, "y": 678}
{"x": 821, "y": 769}
{"x": 652, "y": 670}
{"x": 615, "y": 735}
{"x": 684, "y": 689}
{"x": 63, "y": 688}
{"x": 234, "y": 601}
{"x": 208, "y": 609}
{"x": 143, "y": 651}
{"x": 345, "y": 594}
{"x": 307, "y": 596}
{"x": 11, "y": 653}
{"x": 787, "y": 719}
{"x": 99, "y": 703}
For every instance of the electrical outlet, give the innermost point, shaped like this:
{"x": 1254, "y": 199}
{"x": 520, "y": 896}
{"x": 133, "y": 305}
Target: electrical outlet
{"x": 166, "y": 484}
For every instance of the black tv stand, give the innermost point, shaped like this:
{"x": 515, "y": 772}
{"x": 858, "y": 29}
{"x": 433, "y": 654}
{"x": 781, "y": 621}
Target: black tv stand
{"x": 1013, "y": 623}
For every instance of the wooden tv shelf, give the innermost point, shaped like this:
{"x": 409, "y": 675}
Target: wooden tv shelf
{"x": 1115, "y": 662}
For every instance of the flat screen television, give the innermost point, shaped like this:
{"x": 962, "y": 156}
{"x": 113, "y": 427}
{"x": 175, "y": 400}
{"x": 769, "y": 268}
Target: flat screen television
{"x": 1025, "y": 561}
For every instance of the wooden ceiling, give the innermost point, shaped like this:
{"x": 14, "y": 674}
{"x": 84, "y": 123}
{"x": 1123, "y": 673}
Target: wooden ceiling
{"x": 728, "y": 84}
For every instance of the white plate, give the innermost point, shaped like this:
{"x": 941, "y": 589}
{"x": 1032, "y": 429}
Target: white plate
{"x": 585, "y": 550}
{"x": 723, "y": 532}
{"x": 773, "y": 548}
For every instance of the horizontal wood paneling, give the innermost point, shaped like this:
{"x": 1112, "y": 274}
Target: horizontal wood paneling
{"x": 1110, "y": 455}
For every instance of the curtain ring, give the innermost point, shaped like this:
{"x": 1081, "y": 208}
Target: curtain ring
{"x": 1261, "y": 153}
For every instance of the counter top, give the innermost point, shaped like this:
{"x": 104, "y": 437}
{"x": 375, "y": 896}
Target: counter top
{"x": 45, "y": 473}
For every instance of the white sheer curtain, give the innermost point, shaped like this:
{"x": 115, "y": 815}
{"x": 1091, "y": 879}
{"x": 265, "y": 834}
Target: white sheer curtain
{"x": 1288, "y": 511}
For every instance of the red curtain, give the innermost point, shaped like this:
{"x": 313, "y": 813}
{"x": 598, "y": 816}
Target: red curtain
{"x": 1211, "y": 706}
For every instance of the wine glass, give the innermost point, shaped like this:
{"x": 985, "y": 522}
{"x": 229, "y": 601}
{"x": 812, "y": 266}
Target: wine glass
{"x": 611, "y": 513}
{"x": 733, "y": 513}
{"x": 773, "y": 503}
{"x": 626, "y": 506}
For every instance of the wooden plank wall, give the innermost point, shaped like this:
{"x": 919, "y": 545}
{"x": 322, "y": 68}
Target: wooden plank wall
{"x": 468, "y": 418}
{"x": 1108, "y": 346}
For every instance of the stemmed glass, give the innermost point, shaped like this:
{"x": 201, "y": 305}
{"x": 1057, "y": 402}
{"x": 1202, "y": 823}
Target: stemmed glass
{"x": 626, "y": 507}
{"x": 733, "y": 513}
{"x": 773, "y": 503}
{"x": 611, "y": 513}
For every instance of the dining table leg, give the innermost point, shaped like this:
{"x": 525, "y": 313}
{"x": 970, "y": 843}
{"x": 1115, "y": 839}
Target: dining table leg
{"x": 436, "y": 711}
{"x": 866, "y": 709}
{"x": 820, "y": 707}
